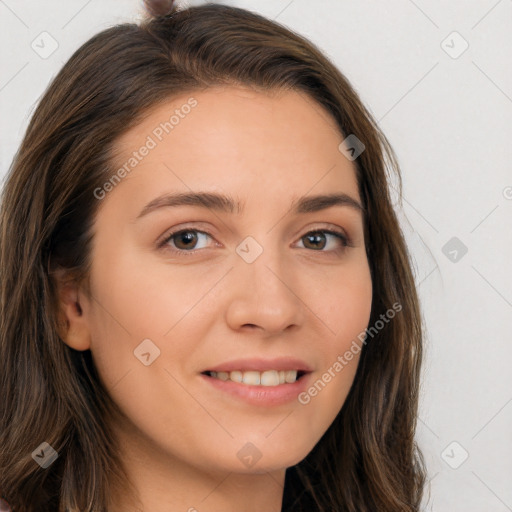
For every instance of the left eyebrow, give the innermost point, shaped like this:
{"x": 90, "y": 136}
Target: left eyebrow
{"x": 310, "y": 204}
{"x": 224, "y": 203}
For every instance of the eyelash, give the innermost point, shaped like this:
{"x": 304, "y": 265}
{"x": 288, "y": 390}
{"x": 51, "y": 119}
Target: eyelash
{"x": 164, "y": 245}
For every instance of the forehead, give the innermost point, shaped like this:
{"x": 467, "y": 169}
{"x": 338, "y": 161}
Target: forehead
{"x": 239, "y": 137}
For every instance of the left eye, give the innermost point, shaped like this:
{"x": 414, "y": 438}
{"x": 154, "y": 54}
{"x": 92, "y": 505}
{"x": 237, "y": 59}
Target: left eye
{"x": 186, "y": 240}
{"x": 321, "y": 237}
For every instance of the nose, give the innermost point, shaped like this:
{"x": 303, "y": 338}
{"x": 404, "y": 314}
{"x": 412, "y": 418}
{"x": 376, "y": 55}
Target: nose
{"x": 264, "y": 295}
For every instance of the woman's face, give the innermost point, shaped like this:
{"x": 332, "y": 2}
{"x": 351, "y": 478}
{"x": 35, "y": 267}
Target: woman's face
{"x": 254, "y": 288}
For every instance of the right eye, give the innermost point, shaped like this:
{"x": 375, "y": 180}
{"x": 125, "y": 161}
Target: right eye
{"x": 184, "y": 240}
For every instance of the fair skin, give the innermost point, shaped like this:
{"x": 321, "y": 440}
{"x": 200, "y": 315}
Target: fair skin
{"x": 303, "y": 297}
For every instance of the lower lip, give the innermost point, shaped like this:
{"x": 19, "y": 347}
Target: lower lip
{"x": 261, "y": 395}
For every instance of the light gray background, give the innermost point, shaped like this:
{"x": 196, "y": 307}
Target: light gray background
{"x": 450, "y": 122}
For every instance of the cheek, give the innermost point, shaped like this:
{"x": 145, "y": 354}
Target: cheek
{"x": 151, "y": 297}
{"x": 345, "y": 306}
{"x": 342, "y": 302}
{"x": 135, "y": 300}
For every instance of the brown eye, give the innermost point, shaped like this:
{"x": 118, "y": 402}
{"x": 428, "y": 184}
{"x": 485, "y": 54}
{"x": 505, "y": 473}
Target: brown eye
{"x": 315, "y": 240}
{"x": 319, "y": 240}
{"x": 185, "y": 240}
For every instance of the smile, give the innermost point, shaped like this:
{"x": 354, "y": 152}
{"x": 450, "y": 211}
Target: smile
{"x": 256, "y": 378}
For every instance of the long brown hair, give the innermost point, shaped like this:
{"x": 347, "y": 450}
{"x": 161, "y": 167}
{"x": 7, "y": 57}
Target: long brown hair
{"x": 368, "y": 459}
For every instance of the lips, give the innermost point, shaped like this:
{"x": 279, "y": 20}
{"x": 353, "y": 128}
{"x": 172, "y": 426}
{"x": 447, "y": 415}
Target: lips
{"x": 269, "y": 392}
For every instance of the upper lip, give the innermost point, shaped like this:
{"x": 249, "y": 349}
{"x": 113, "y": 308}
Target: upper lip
{"x": 261, "y": 365}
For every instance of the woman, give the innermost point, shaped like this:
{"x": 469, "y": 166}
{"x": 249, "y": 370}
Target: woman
{"x": 207, "y": 301}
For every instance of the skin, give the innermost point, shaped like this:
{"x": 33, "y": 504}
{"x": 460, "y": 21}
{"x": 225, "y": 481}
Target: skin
{"x": 180, "y": 436}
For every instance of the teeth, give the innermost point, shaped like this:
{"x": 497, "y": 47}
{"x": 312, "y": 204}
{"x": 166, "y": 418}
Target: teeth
{"x": 255, "y": 378}
{"x": 252, "y": 378}
{"x": 290, "y": 375}
{"x": 270, "y": 378}
{"x": 236, "y": 376}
